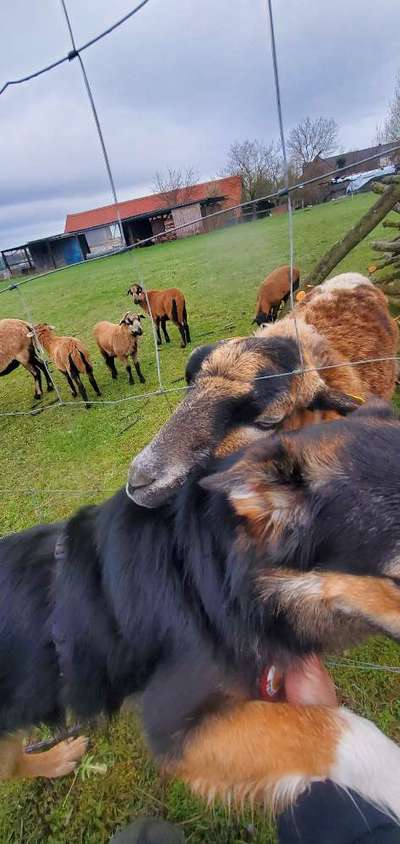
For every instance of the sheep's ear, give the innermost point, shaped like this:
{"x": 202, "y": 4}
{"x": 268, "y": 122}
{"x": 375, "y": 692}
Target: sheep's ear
{"x": 30, "y": 334}
{"x": 122, "y": 321}
{"x": 336, "y": 401}
{"x": 266, "y": 488}
{"x": 141, "y": 316}
{"x": 129, "y": 292}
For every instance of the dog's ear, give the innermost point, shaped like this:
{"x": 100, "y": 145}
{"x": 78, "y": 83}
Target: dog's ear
{"x": 378, "y": 409}
{"x": 267, "y": 487}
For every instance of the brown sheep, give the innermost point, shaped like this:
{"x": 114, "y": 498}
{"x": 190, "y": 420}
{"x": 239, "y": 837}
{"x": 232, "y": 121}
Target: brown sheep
{"x": 274, "y": 290}
{"x": 164, "y": 305}
{"x": 120, "y": 341}
{"x": 17, "y": 348}
{"x": 243, "y": 386}
{"x": 70, "y": 357}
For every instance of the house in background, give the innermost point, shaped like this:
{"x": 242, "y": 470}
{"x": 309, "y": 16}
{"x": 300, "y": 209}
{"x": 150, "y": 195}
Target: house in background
{"x": 156, "y": 216}
{"x": 335, "y": 187}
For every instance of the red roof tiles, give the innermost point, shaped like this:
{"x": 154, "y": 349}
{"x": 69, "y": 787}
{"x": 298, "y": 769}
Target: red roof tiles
{"x": 230, "y": 188}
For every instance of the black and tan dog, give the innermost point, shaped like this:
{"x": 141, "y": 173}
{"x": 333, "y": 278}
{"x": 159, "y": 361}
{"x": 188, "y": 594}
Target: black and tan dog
{"x": 287, "y": 548}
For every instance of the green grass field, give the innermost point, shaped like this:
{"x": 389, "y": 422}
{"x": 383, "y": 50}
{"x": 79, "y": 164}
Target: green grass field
{"x": 68, "y": 456}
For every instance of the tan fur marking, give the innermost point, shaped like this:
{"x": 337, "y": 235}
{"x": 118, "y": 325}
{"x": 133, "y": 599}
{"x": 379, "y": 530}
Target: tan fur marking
{"x": 248, "y": 750}
{"x": 375, "y": 599}
{"x": 56, "y": 762}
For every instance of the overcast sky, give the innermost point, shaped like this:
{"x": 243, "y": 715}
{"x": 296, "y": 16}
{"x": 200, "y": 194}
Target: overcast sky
{"x": 174, "y": 87}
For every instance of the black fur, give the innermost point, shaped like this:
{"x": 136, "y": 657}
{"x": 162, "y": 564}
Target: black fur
{"x": 11, "y": 366}
{"x": 166, "y": 603}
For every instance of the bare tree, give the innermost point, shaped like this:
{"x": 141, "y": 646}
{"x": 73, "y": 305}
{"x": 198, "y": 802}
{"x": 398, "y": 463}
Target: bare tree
{"x": 392, "y": 122}
{"x": 175, "y": 186}
{"x": 311, "y": 138}
{"x": 259, "y": 165}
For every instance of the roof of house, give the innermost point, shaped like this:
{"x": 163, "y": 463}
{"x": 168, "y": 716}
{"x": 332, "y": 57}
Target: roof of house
{"x": 350, "y": 158}
{"x": 230, "y": 188}
{"x": 354, "y": 156}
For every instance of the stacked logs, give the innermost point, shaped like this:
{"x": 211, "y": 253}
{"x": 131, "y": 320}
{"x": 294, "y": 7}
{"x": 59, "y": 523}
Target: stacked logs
{"x": 385, "y": 271}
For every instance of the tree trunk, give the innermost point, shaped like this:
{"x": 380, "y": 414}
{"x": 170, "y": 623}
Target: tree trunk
{"x": 392, "y": 277}
{"x": 391, "y": 224}
{"x": 390, "y": 289}
{"x": 386, "y": 245}
{"x": 378, "y": 187}
{"x": 367, "y": 223}
{"x": 383, "y": 262}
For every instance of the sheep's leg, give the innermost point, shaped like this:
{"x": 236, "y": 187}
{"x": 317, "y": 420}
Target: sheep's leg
{"x": 139, "y": 371}
{"x": 183, "y": 334}
{"x": 71, "y": 384}
{"x": 62, "y": 759}
{"x": 164, "y": 329}
{"x": 157, "y": 323}
{"x": 82, "y": 389}
{"x": 35, "y": 372}
{"x": 110, "y": 362}
{"x": 38, "y": 384}
{"x": 43, "y": 368}
{"x": 93, "y": 381}
{"x": 89, "y": 372}
{"x": 187, "y": 332}
{"x": 272, "y": 314}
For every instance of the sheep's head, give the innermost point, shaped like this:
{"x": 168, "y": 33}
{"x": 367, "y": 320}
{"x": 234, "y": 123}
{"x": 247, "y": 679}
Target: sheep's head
{"x": 132, "y": 321}
{"x": 137, "y": 293}
{"x": 237, "y": 389}
{"x": 41, "y": 331}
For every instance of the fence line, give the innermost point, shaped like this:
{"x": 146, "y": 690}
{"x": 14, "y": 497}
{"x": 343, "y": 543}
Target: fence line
{"x": 165, "y": 391}
{"x": 282, "y": 192}
{"x": 75, "y": 52}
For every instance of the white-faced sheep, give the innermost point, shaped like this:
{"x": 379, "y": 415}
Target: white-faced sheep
{"x": 274, "y": 290}
{"x": 17, "y": 348}
{"x": 164, "y": 305}
{"x": 120, "y": 341}
{"x": 70, "y": 357}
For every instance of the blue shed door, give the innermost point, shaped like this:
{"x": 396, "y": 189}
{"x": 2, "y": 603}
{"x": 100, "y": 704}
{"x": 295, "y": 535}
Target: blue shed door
{"x": 72, "y": 251}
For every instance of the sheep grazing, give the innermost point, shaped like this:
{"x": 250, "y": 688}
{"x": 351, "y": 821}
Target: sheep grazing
{"x": 164, "y": 305}
{"x": 17, "y": 348}
{"x": 274, "y": 290}
{"x": 243, "y": 386}
{"x": 120, "y": 341}
{"x": 70, "y": 357}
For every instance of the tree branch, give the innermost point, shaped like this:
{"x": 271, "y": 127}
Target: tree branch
{"x": 367, "y": 223}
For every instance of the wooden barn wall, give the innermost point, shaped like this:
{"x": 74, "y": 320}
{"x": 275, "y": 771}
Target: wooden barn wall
{"x": 188, "y": 214}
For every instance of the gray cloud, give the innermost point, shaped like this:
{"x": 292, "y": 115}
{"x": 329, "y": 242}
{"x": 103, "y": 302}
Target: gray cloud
{"x": 174, "y": 87}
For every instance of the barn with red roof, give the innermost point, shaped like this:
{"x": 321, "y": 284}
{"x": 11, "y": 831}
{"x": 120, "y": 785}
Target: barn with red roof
{"x": 153, "y": 218}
